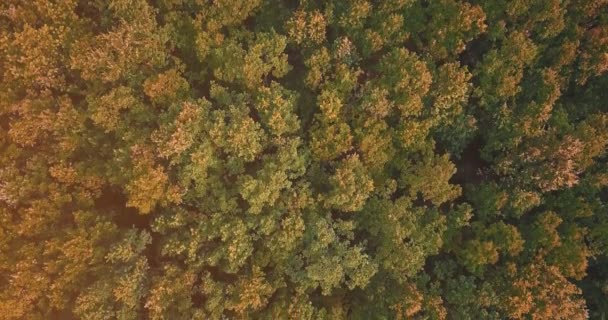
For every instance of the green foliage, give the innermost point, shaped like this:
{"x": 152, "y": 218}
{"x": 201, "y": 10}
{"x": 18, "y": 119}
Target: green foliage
{"x": 238, "y": 159}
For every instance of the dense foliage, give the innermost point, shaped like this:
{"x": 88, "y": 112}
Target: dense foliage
{"x": 263, "y": 159}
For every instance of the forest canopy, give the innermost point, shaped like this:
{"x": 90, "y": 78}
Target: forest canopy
{"x": 272, "y": 159}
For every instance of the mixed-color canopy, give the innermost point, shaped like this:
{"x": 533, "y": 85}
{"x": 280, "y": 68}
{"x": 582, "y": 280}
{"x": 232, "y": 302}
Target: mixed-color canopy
{"x": 272, "y": 159}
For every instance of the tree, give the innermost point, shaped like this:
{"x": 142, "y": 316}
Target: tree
{"x": 332, "y": 159}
